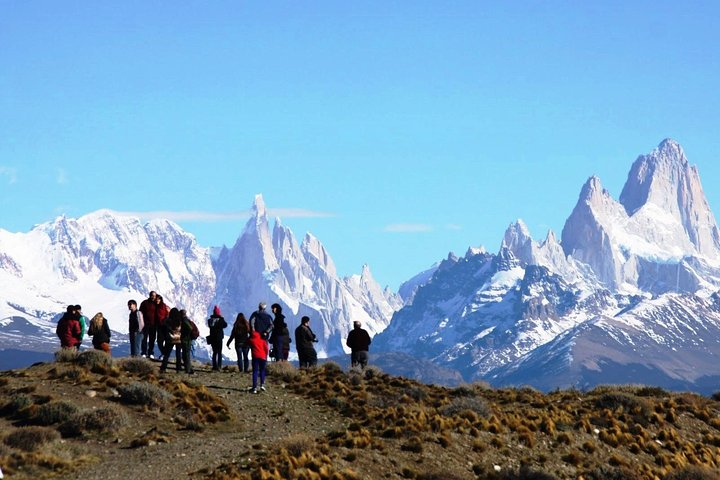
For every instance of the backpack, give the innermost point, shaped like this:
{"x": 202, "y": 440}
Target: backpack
{"x": 194, "y": 333}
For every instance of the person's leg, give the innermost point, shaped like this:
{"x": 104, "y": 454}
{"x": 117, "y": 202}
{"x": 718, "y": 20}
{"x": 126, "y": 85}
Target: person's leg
{"x": 238, "y": 352}
{"x": 133, "y": 345}
{"x": 219, "y": 350}
{"x": 255, "y": 371}
{"x": 144, "y": 343}
{"x": 362, "y": 359}
{"x": 152, "y": 332}
{"x": 246, "y": 358}
{"x": 165, "y": 358}
{"x": 263, "y": 365}
{"x": 186, "y": 357}
{"x": 178, "y": 357}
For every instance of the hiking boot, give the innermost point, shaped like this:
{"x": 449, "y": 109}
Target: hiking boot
{"x": 262, "y": 387}
{"x": 254, "y": 390}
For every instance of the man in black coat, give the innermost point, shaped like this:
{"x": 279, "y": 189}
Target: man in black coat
{"x": 304, "y": 339}
{"x": 359, "y": 342}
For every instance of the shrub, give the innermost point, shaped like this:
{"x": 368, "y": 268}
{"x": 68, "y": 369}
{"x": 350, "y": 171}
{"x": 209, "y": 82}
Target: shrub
{"x": 66, "y": 355}
{"x": 17, "y": 402}
{"x": 101, "y": 420}
{"x": 297, "y": 444}
{"x": 94, "y": 360}
{"x": 137, "y": 365}
{"x": 692, "y": 473}
{"x": 331, "y": 367}
{"x": 416, "y": 393}
{"x": 143, "y": 393}
{"x": 716, "y": 396}
{"x": 461, "y": 404}
{"x": 31, "y": 439}
{"x": 285, "y": 371}
{"x": 611, "y": 473}
{"x": 372, "y": 371}
{"x": 463, "y": 390}
{"x": 54, "y": 412}
{"x": 615, "y": 400}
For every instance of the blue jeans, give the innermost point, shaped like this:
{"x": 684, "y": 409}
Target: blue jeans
{"x": 243, "y": 358}
{"x": 258, "y": 370}
{"x": 135, "y": 343}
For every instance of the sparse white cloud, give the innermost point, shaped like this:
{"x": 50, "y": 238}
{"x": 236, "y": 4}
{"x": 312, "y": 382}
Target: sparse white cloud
{"x": 9, "y": 173}
{"x": 202, "y": 216}
{"x": 61, "y": 178}
{"x": 408, "y": 228}
{"x": 453, "y": 226}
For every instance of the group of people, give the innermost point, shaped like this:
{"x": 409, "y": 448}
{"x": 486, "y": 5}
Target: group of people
{"x": 257, "y": 339}
{"x": 73, "y": 326}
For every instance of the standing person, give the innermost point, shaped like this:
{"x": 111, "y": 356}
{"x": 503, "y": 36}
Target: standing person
{"x": 186, "y": 339}
{"x": 100, "y": 331}
{"x": 136, "y": 325}
{"x": 217, "y": 325}
{"x": 68, "y": 329}
{"x": 240, "y": 334}
{"x": 259, "y": 348}
{"x": 173, "y": 329}
{"x": 147, "y": 307}
{"x": 261, "y": 322}
{"x": 279, "y": 332}
{"x": 161, "y": 313}
{"x": 304, "y": 339}
{"x": 359, "y": 342}
{"x": 83, "y": 323}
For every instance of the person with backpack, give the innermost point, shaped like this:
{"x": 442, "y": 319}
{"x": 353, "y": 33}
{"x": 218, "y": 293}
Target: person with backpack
{"x": 136, "y": 325}
{"x": 259, "y": 348}
{"x": 188, "y": 333}
{"x": 100, "y": 331}
{"x": 240, "y": 335}
{"x": 217, "y": 325}
{"x": 173, "y": 329}
{"x": 304, "y": 339}
{"x": 83, "y": 324}
{"x": 68, "y": 329}
{"x": 147, "y": 307}
{"x": 359, "y": 342}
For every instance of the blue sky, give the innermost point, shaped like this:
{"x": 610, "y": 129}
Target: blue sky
{"x": 420, "y": 127}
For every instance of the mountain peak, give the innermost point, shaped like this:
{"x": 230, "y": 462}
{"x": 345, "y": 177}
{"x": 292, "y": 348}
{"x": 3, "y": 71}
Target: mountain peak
{"x": 592, "y": 188}
{"x": 258, "y": 207}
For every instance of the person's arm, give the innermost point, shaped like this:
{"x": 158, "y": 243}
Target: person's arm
{"x": 107, "y": 328}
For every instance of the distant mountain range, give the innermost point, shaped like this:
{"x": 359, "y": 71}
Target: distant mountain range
{"x": 627, "y": 296}
{"x": 102, "y": 260}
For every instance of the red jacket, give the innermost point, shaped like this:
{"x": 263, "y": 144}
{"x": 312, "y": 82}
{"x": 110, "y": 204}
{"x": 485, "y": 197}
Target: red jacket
{"x": 147, "y": 307}
{"x": 258, "y": 346}
{"x": 68, "y": 330}
{"x": 161, "y": 313}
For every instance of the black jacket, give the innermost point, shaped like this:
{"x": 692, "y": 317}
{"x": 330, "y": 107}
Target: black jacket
{"x": 217, "y": 327}
{"x": 304, "y": 338}
{"x": 100, "y": 335}
{"x": 358, "y": 340}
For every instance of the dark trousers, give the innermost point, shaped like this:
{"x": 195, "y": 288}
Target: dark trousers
{"x": 359, "y": 359}
{"x": 243, "y": 358}
{"x": 258, "y": 371}
{"x": 217, "y": 346}
{"x": 148, "y": 342}
{"x": 307, "y": 357}
{"x": 166, "y": 356}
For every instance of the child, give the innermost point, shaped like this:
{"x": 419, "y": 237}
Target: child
{"x": 259, "y": 348}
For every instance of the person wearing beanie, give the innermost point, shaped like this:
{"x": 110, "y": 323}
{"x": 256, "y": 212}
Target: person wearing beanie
{"x": 261, "y": 322}
{"x": 217, "y": 325}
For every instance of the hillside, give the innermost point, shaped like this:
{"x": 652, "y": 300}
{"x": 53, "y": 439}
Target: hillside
{"x": 87, "y": 417}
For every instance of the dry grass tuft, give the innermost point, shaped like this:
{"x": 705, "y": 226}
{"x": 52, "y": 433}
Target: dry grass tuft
{"x": 459, "y": 405}
{"x": 692, "y": 473}
{"x": 30, "y": 439}
{"x": 297, "y": 444}
{"x": 136, "y": 365}
{"x": 66, "y": 355}
{"x": 143, "y": 393}
{"x": 94, "y": 360}
{"x": 105, "y": 419}
{"x": 54, "y": 412}
{"x": 285, "y": 371}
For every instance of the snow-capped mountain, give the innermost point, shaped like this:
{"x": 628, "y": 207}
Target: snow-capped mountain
{"x": 303, "y": 279}
{"x": 102, "y": 260}
{"x": 627, "y": 296}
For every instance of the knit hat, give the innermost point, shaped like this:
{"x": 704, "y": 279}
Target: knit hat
{"x": 216, "y": 311}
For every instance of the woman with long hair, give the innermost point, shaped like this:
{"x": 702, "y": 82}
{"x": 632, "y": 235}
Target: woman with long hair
{"x": 100, "y": 331}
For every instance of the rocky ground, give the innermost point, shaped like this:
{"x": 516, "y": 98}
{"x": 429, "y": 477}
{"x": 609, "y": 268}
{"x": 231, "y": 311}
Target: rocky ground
{"x": 87, "y": 417}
